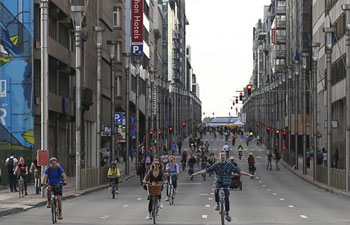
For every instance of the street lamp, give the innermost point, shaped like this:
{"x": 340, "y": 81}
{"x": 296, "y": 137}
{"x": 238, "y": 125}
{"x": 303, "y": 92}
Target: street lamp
{"x": 329, "y": 44}
{"x": 315, "y": 50}
{"x": 296, "y": 115}
{"x": 77, "y": 16}
{"x": 99, "y": 30}
{"x": 346, "y": 8}
{"x": 112, "y": 55}
{"x": 304, "y": 58}
{"x": 127, "y": 59}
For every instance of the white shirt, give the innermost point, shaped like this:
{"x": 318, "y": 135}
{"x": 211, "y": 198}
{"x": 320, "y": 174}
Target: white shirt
{"x": 15, "y": 161}
{"x": 325, "y": 156}
{"x": 164, "y": 158}
{"x": 226, "y": 147}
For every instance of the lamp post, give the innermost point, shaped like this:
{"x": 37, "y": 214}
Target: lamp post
{"x": 77, "y": 14}
{"x": 304, "y": 65}
{"x": 99, "y": 30}
{"x": 44, "y": 85}
{"x": 328, "y": 32}
{"x": 346, "y": 8}
{"x": 315, "y": 49}
{"x": 137, "y": 103}
{"x": 290, "y": 71}
{"x": 112, "y": 55}
{"x": 127, "y": 57}
{"x": 296, "y": 133}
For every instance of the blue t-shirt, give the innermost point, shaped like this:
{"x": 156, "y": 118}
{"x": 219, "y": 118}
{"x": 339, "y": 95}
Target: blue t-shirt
{"x": 173, "y": 168}
{"x": 55, "y": 176}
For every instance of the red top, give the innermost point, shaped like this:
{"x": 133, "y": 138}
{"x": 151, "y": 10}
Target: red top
{"x": 22, "y": 167}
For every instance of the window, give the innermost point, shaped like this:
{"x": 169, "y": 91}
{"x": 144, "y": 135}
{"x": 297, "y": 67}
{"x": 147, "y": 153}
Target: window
{"x": 118, "y": 52}
{"x": 338, "y": 70}
{"x": 340, "y": 27}
{"x": 116, "y": 16}
{"x": 329, "y": 5}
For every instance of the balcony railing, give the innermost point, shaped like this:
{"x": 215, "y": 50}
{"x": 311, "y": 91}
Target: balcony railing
{"x": 280, "y": 10}
{"x": 280, "y": 25}
{"x": 280, "y": 39}
{"x": 280, "y": 54}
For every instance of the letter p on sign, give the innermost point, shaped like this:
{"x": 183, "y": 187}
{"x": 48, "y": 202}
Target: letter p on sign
{"x": 137, "y": 50}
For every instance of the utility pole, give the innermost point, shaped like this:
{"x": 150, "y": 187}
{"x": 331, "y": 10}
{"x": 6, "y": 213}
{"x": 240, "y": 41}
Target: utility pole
{"x": 289, "y": 113}
{"x": 297, "y": 64}
{"x": 138, "y": 71}
{"x": 304, "y": 61}
{"x": 44, "y": 85}
{"x": 77, "y": 13}
{"x": 329, "y": 44}
{"x": 112, "y": 54}
{"x": 346, "y": 8}
{"x": 99, "y": 30}
{"x": 127, "y": 57}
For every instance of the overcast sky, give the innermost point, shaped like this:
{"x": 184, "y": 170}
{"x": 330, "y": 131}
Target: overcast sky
{"x": 220, "y": 34}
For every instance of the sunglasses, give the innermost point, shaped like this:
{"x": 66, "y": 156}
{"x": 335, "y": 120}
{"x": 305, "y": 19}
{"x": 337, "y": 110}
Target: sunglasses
{"x": 157, "y": 164}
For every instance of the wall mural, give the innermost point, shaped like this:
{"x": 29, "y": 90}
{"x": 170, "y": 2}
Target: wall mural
{"x": 16, "y": 76}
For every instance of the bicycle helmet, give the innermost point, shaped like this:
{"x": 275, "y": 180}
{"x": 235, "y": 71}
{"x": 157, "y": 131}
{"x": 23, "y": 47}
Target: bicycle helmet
{"x": 114, "y": 163}
{"x": 232, "y": 158}
{"x": 251, "y": 154}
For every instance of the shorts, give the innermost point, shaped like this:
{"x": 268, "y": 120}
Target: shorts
{"x": 57, "y": 190}
{"x": 116, "y": 180}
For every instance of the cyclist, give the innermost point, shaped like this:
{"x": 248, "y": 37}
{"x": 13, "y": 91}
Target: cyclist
{"x": 232, "y": 160}
{"x": 251, "y": 163}
{"x": 35, "y": 168}
{"x": 54, "y": 175}
{"x": 184, "y": 160}
{"x": 223, "y": 170}
{"x": 240, "y": 151}
{"x": 234, "y": 137}
{"x": 206, "y": 146}
{"x": 247, "y": 139}
{"x": 257, "y": 139}
{"x": 164, "y": 158}
{"x": 22, "y": 171}
{"x": 172, "y": 168}
{"x": 154, "y": 176}
{"x": 114, "y": 174}
{"x": 191, "y": 163}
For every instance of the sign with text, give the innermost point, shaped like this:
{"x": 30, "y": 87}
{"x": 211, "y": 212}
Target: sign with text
{"x": 43, "y": 157}
{"x": 136, "y": 27}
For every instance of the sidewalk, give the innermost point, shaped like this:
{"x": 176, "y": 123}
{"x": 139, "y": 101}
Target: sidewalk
{"x": 10, "y": 203}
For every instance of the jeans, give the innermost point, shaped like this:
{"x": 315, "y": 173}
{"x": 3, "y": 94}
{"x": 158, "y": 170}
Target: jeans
{"x": 174, "y": 181}
{"x": 269, "y": 164}
{"x": 227, "y": 196}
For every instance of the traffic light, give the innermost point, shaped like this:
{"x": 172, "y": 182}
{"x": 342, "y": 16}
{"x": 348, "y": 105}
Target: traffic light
{"x": 183, "y": 124}
{"x": 276, "y": 144}
{"x": 284, "y": 148}
{"x": 194, "y": 121}
{"x": 151, "y": 133}
{"x": 284, "y": 134}
{"x": 268, "y": 129}
{"x": 171, "y": 129}
{"x": 277, "y": 131}
{"x": 236, "y": 100}
{"x": 241, "y": 96}
{"x": 233, "y": 103}
{"x": 160, "y": 132}
{"x": 249, "y": 88}
{"x": 257, "y": 123}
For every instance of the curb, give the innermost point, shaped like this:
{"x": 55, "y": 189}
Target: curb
{"x": 10, "y": 211}
{"x": 316, "y": 183}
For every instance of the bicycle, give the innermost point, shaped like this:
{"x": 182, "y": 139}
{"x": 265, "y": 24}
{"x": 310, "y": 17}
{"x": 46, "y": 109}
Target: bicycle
{"x": 113, "y": 186}
{"x": 222, "y": 204}
{"x": 170, "y": 188}
{"x": 154, "y": 191}
{"x": 37, "y": 181}
{"x": 21, "y": 186}
{"x": 54, "y": 202}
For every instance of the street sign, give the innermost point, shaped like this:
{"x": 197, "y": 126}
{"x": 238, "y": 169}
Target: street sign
{"x": 42, "y": 157}
{"x": 118, "y": 119}
{"x": 137, "y": 50}
{"x": 154, "y": 101}
{"x": 106, "y": 132}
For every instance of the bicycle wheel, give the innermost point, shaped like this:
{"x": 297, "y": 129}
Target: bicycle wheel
{"x": 154, "y": 209}
{"x": 113, "y": 191}
{"x": 222, "y": 212}
{"x": 53, "y": 211}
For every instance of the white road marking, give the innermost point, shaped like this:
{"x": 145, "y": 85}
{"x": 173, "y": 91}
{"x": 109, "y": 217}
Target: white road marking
{"x": 282, "y": 199}
{"x": 252, "y": 149}
{"x": 304, "y": 217}
{"x": 203, "y": 194}
{"x": 268, "y": 189}
{"x": 213, "y": 189}
{"x": 212, "y": 193}
{"x": 274, "y": 193}
{"x": 210, "y": 199}
{"x": 139, "y": 199}
{"x": 124, "y": 206}
{"x": 257, "y": 177}
{"x": 263, "y": 185}
{"x": 258, "y": 157}
{"x": 105, "y": 217}
{"x": 291, "y": 206}
{"x": 207, "y": 206}
{"x": 260, "y": 181}
{"x": 204, "y": 216}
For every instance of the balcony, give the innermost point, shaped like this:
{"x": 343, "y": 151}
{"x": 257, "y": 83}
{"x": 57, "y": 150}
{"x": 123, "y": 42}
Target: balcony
{"x": 279, "y": 69}
{"x": 280, "y": 54}
{"x": 281, "y": 10}
{"x": 280, "y": 39}
{"x": 280, "y": 25}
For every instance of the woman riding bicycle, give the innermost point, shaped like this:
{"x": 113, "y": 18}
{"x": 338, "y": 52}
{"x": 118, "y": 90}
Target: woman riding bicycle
{"x": 22, "y": 171}
{"x": 113, "y": 175}
{"x": 172, "y": 168}
{"x": 153, "y": 177}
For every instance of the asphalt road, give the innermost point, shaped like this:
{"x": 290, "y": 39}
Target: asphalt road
{"x": 275, "y": 197}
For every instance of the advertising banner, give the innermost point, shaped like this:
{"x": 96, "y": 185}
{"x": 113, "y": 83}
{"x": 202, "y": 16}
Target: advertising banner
{"x": 137, "y": 27}
{"x": 16, "y": 78}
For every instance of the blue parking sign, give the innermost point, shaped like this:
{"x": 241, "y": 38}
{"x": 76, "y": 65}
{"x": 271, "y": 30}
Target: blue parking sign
{"x": 118, "y": 118}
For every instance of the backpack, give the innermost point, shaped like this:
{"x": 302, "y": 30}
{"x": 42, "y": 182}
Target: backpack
{"x": 10, "y": 165}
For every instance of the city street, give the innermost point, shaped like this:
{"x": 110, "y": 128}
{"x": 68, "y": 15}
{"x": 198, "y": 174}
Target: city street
{"x": 275, "y": 197}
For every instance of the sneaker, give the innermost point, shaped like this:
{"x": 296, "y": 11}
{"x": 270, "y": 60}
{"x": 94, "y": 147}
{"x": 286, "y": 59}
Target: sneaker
{"x": 26, "y": 193}
{"x": 48, "y": 205}
{"x": 149, "y": 217}
{"x": 117, "y": 192}
{"x": 217, "y": 208}
{"x": 228, "y": 217}
{"x": 161, "y": 206}
{"x": 175, "y": 191}
{"x": 167, "y": 198}
{"x": 60, "y": 217}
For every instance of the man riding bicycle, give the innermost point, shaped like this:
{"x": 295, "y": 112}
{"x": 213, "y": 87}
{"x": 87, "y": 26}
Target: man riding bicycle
{"x": 227, "y": 149}
{"x": 223, "y": 170}
{"x": 113, "y": 175}
{"x": 172, "y": 168}
{"x": 54, "y": 175}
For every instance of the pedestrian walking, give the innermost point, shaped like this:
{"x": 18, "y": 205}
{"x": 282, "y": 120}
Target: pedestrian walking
{"x": 10, "y": 164}
{"x": 335, "y": 158}
{"x": 141, "y": 169}
{"x": 325, "y": 157}
{"x": 277, "y": 159}
{"x": 173, "y": 148}
{"x": 269, "y": 160}
{"x": 319, "y": 157}
{"x": 179, "y": 145}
